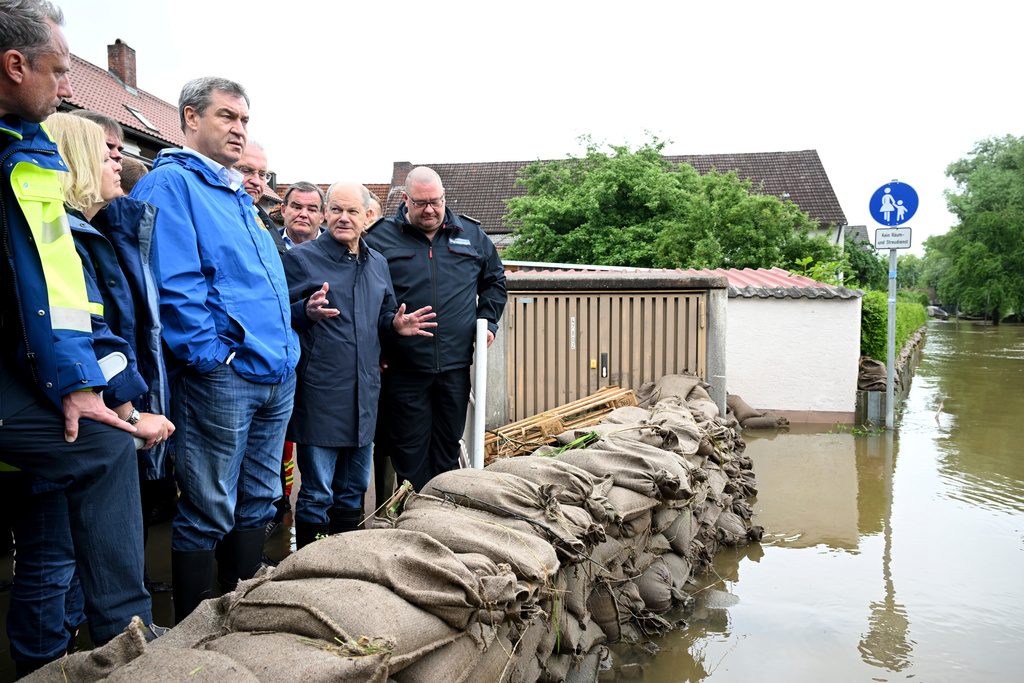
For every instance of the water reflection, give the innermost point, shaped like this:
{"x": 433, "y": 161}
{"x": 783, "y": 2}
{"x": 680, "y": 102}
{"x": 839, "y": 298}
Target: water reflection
{"x": 886, "y": 557}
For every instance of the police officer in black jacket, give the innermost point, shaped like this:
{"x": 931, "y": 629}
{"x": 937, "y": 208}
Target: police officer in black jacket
{"x": 446, "y": 262}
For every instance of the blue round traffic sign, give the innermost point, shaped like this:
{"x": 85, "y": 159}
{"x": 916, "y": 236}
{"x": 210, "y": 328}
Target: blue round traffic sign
{"x": 894, "y": 203}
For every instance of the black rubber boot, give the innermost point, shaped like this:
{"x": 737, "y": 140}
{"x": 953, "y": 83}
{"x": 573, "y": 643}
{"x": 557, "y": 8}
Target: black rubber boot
{"x": 344, "y": 519}
{"x": 192, "y": 576}
{"x": 239, "y": 556}
{"x": 306, "y": 533}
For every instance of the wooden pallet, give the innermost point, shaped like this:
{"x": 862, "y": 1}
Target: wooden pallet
{"x": 525, "y": 436}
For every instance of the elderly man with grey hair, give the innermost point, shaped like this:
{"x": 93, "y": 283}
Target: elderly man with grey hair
{"x": 232, "y": 352}
{"x": 339, "y": 378}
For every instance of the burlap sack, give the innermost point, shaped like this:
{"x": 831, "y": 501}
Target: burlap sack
{"x": 287, "y": 658}
{"x": 657, "y": 589}
{"x": 604, "y": 611}
{"x": 343, "y": 609}
{"x": 732, "y": 530}
{"x": 97, "y": 664}
{"x": 682, "y": 434}
{"x": 663, "y": 518}
{"x": 739, "y": 407}
{"x": 527, "y": 643}
{"x": 579, "y": 583}
{"x": 170, "y": 665}
{"x": 412, "y": 564}
{"x": 683, "y": 530}
{"x": 628, "y": 505}
{"x": 583, "y": 526}
{"x": 205, "y": 623}
{"x": 498, "y": 493}
{"x": 498, "y": 663}
{"x": 577, "y": 484}
{"x": 627, "y": 415}
{"x": 658, "y": 544}
{"x": 679, "y": 386}
{"x": 680, "y": 569}
{"x": 530, "y": 557}
{"x": 762, "y": 422}
{"x": 453, "y": 662}
{"x": 628, "y": 471}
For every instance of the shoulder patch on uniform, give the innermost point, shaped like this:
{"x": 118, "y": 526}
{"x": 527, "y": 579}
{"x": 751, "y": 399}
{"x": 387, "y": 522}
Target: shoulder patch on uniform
{"x": 460, "y": 241}
{"x": 469, "y": 218}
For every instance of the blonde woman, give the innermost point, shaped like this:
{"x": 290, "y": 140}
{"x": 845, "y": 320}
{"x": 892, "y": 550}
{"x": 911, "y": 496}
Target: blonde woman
{"x": 47, "y": 604}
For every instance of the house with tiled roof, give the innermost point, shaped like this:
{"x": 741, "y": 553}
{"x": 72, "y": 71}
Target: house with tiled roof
{"x": 150, "y": 124}
{"x": 481, "y": 190}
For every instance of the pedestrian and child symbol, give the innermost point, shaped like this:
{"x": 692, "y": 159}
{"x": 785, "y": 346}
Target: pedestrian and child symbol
{"x": 888, "y": 206}
{"x": 894, "y": 203}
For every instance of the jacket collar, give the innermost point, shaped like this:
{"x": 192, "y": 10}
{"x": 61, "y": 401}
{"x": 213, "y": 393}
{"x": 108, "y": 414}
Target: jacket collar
{"x": 338, "y": 251}
{"x": 196, "y": 162}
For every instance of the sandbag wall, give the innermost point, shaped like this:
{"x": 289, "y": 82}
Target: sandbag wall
{"x": 519, "y": 572}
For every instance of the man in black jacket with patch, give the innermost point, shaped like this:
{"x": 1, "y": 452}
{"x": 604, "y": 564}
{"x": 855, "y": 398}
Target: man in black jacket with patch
{"x": 447, "y": 262}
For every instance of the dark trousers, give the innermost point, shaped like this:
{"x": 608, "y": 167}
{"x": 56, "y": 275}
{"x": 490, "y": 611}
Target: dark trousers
{"x": 103, "y": 498}
{"x": 426, "y": 416}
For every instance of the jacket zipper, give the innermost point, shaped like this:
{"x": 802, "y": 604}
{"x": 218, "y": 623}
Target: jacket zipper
{"x": 437, "y": 339}
{"x": 29, "y": 354}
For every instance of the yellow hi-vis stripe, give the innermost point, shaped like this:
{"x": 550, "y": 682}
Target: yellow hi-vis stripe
{"x": 41, "y": 199}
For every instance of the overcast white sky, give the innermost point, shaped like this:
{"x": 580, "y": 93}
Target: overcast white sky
{"x": 341, "y": 90}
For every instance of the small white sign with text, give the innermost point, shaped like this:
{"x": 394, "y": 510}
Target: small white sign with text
{"x": 892, "y": 238}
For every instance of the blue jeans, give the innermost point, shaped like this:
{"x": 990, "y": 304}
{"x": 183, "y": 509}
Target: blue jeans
{"x": 46, "y": 599}
{"x": 102, "y": 496}
{"x": 228, "y": 443}
{"x": 330, "y": 477}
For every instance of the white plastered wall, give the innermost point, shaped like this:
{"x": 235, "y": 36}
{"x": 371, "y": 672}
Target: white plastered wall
{"x": 794, "y": 354}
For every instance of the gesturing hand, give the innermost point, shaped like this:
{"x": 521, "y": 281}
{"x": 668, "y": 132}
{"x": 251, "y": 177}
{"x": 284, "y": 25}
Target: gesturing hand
{"x": 315, "y": 310}
{"x": 414, "y": 323}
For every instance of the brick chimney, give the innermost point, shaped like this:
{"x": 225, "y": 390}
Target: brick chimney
{"x": 399, "y": 173}
{"x": 121, "y": 63}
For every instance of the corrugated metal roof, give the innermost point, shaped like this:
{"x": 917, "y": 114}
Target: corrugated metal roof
{"x": 747, "y": 283}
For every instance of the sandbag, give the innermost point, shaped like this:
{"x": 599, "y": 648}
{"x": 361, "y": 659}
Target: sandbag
{"x": 577, "y": 484}
{"x": 97, "y": 664}
{"x": 453, "y": 662}
{"x": 629, "y": 504}
{"x": 679, "y": 386}
{"x": 656, "y": 587}
{"x": 680, "y": 569}
{"x": 530, "y": 557}
{"x": 629, "y": 471}
{"x": 578, "y": 586}
{"x": 286, "y": 658}
{"x": 682, "y": 434}
{"x": 682, "y": 531}
{"x": 496, "y": 492}
{"x": 739, "y": 407}
{"x": 762, "y": 422}
{"x": 663, "y": 518}
{"x": 604, "y": 611}
{"x": 627, "y": 415}
{"x": 170, "y": 665}
{"x": 498, "y": 662}
{"x": 343, "y": 609}
{"x": 412, "y": 564}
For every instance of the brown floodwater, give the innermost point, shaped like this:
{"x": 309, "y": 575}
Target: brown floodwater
{"x": 886, "y": 557}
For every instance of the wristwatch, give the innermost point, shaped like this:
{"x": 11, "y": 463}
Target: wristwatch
{"x": 133, "y": 417}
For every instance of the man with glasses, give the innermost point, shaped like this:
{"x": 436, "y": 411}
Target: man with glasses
{"x": 231, "y": 348}
{"x": 447, "y": 262}
{"x": 253, "y": 167}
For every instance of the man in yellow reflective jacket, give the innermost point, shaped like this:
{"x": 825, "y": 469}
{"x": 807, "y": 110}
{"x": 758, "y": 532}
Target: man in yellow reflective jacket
{"x": 52, "y": 422}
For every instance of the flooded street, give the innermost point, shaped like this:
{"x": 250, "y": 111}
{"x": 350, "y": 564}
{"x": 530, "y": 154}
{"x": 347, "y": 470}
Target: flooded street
{"x": 885, "y": 557}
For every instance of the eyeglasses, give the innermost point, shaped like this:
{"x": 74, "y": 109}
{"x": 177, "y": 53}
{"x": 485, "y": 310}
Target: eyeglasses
{"x": 422, "y": 204}
{"x": 249, "y": 171}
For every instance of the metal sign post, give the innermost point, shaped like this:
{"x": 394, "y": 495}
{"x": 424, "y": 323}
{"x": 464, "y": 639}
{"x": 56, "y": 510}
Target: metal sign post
{"x": 892, "y": 204}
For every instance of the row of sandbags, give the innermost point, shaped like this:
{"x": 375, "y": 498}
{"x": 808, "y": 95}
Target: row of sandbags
{"x": 520, "y": 572}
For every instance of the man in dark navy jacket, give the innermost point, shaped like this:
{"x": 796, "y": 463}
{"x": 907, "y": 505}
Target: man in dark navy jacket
{"x": 339, "y": 377}
{"x": 444, "y": 261}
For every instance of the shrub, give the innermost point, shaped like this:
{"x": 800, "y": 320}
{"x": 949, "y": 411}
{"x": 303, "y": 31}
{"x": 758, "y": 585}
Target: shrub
{"x": 874, "y": 318}
{"x": 913, "y": 296}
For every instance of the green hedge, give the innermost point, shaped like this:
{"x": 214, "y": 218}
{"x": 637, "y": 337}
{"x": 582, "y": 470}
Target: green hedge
{"x": 874, "y": 317}
{"x": 913, "y": 296}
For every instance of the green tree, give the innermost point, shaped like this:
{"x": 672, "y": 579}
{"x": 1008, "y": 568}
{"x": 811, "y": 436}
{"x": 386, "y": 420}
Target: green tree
{"x": 908, "y": 271}
{"x": 867, "y": 269}
{"x": 633, "y": 208}
{"x": 984, "y": 253}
